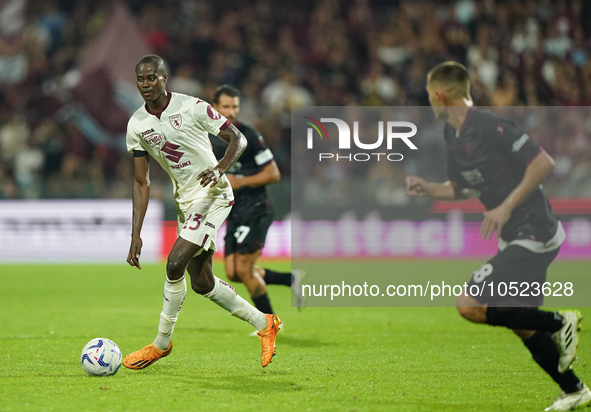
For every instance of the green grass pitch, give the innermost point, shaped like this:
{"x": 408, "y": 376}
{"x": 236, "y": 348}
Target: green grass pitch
{"x": 328, "y": 359}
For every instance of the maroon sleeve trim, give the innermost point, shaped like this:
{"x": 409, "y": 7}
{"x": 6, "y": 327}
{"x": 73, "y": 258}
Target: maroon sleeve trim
{"x": 232, "y": 203}
{"x": 225, "y": 125}
{"x": 540, "y": 149}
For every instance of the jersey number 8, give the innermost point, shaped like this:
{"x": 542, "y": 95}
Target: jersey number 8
{"x": 483, "y": 272}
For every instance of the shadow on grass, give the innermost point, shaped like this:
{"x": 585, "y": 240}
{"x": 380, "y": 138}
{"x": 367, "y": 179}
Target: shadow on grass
{"x": 301, "y": 342}
{"x": 269, "y": 382}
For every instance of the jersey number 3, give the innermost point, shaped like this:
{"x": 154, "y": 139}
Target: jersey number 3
{"x": 196, "y": 218}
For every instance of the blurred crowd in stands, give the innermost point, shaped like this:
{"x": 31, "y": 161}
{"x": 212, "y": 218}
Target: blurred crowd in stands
{"x": 324, "y": 52}
{"x": 332, "y": 181}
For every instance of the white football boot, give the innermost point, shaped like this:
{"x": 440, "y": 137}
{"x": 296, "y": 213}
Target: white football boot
{"x": 571, "y": 401}
{"x": 566, "y": 338}
{"x": 297, "y": 276}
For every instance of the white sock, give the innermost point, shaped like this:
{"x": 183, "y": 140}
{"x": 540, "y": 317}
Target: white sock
{"x": 225, "y": 296}
{"x": 174, "y": 296}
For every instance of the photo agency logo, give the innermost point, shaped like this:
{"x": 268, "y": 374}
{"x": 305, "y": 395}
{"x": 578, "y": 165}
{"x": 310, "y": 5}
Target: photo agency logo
{"x": 391, "y": 130}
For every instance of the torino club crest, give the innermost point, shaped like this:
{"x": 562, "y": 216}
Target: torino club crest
{"x": 176, "y": 121}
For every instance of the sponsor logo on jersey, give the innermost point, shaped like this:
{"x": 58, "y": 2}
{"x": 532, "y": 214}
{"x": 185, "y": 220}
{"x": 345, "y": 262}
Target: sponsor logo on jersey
{"x": 181, "y": 165}
{"x": 473, "y": 177}
{"x": 211, "y": 225}
{"x": 176, "y": 121}
{"x": 154, "y": 140}
{"x": 172, "y": 153}
{"x": 212, "y": 113}
{"x": 147, "y": 132}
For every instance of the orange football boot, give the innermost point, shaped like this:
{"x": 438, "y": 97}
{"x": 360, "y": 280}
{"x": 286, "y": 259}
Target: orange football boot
{"x": 267, "y": 337}
{"x": 145, "y": 356}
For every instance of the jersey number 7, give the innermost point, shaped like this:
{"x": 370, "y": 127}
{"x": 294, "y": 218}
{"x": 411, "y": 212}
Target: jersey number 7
{"x": 241, "y": 233}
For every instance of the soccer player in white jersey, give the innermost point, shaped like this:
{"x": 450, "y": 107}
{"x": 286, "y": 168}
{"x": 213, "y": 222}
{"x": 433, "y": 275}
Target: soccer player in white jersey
{"x": 173, "y": 129}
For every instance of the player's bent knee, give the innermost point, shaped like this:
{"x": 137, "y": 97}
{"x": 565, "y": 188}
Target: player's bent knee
{"x": 175, "y": 268}
{"x": 242, "y": 275}
{"x": 232, "y": 276}
{"x": 465, "y": 312}
{"x": 473, "y": 314}
{"x": 470, "y": 309}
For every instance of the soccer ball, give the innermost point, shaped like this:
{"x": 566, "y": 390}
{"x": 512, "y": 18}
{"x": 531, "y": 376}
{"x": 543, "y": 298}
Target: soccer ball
{"x": 100, "y": 357}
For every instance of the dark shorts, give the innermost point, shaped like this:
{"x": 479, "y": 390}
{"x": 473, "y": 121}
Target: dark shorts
{"x": 513, "y": 277}
{"x": 248, "y": 235}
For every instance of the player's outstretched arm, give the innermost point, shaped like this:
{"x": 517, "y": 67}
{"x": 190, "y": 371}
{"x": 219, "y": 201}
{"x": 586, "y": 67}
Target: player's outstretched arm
{"x": 236, "y": 145}
{"x": 419, "y": 187}
{"x": 535, "y": 173}
{"x": 141, "y": 196}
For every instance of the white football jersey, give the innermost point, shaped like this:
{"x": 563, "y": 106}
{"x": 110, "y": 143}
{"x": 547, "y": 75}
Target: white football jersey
{"x": 178, "y": 139}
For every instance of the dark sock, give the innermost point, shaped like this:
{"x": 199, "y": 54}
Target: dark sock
{"x": 546, "y": 355}
{"x": 524, "y": 318}
{"x": 277, "y": 278}
{"x": 263, "y": 304}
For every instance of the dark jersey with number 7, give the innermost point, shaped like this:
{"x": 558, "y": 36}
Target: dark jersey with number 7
{"x": 489, "y": 155}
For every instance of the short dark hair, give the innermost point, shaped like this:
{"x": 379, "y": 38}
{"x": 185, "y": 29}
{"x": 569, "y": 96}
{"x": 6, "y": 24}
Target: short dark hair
{"x": 452, "y": 74}
{"x": 226, "y": 89}
{"x": 156, "y": 61}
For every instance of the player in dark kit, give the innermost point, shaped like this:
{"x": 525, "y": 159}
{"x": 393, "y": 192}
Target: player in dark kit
{"x": 491, "y": 157}
{"x": 252, "y": 215}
